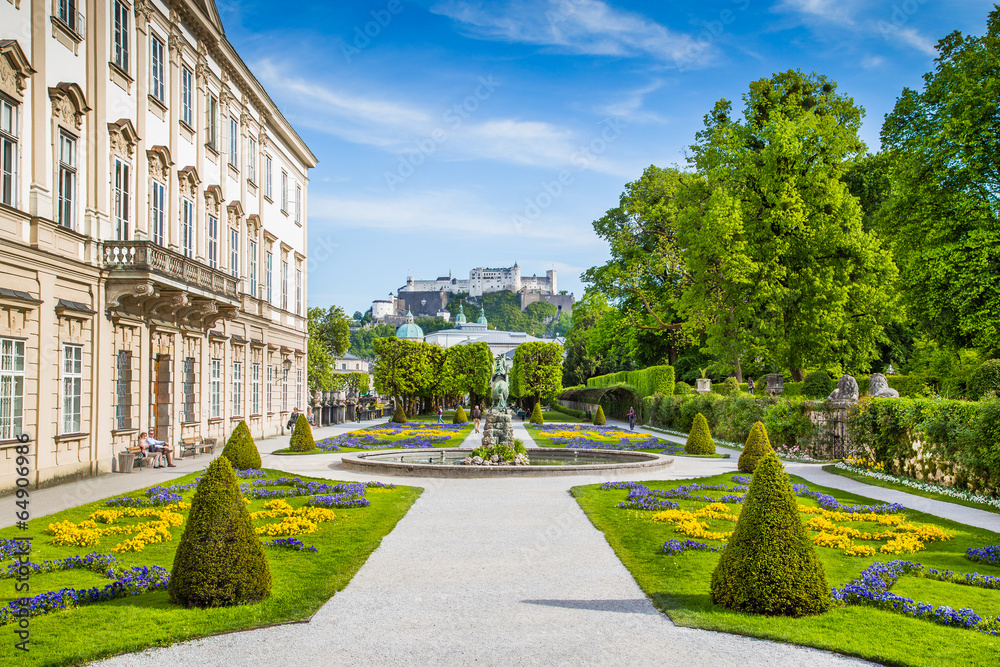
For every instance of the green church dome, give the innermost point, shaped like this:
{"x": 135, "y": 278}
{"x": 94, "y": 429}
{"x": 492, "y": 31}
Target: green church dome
{"x": 410, "y": 330}
{"x": 460, "y": 318}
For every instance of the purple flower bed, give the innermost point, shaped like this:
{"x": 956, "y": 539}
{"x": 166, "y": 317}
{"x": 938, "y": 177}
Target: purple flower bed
{"x": 156, "y": 496}
{"x": 679, "y": 547}
{"x": 339, "y": 500}
{"x": 134, "y": 581}
{"x": 94, "y": 561}
{"x": 986, "y": 555}
{"x": 251, "y": 472}
{"x": 828, "y": 502}
{"x": 872, "y": 589}
{"x": 13, "y": 547}
{"x": 290, "y": 543}
{"x": 642, "y": 498}
{"x": 623, "y": 444}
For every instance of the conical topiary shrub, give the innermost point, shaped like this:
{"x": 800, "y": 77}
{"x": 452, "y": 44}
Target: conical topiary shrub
{"x": 219, "y": 561}
{"x": 700, "y": 439}
{"x": 399, "y": 417}
{"x": 599, "y": 419}
{"x": 536, "y": 414}
{"x": 769, "y": 565}
{"x": 757, "y": 446}
{"x": 460, "y": 416}
{"x": 240, "y": 449}
{"x": 302, "y": 436}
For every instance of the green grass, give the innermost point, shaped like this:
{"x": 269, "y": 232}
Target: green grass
{"x": 553, "y": 416}
{"x": 679, "y": 586}
{"x": 425, "y": 424}
{"x": 543, "y": 440}
{"x": 872, "y": 481}
{"x": 302, "y": 582}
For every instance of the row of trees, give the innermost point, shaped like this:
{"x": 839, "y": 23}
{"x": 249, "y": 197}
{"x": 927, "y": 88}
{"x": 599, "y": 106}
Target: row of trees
{"x": 785, "y": 245}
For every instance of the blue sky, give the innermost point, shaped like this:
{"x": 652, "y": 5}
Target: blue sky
{"x": 453, "y": 134}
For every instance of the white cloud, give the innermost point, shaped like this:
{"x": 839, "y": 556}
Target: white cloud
{"x": 576, "y": 26}
{"x": 911, "y": 37}
{"x": 629, "y": 105}
{"x": 872, "y": 62}
{"x": 834, "y": 11}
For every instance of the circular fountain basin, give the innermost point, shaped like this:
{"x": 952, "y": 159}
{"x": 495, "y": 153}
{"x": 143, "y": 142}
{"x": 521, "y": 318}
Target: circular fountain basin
{"x": 544, "y": 463}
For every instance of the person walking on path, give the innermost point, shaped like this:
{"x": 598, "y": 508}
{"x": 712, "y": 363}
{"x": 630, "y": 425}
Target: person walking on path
{"x": 750, "y": 386}
{"x": 476, "y": 414}
{"x": 440, "y": 412}
{"x": 631, "y": 419}
{"x": 357, "y": 413}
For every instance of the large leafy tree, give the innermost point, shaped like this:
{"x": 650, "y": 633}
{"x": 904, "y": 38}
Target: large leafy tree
{"x": 332, "y": 327}
{"x": 943, "y": 213}
{"x": 468, "y": 370}
{"x": 362, "y": 340}
{"x": 537, "y": 369}
{"x": 402, "y": 369}
{"x": 778, "y": 261}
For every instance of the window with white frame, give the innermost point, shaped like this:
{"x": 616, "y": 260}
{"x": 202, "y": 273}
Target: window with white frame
{"x": 67, "y": 180}
{"x": 67, "y": 14}
{"x": 8, "y": 152}
{"x": 187, "y": 96}
{"x": 298, "y": 388}
{"x": 123, "y": 389}
{"x": 237, "y": 388}
{"x": 267, "y": 177}
{"x": 11, "y": 388}
{"x": 234, "y": 142}
{"x": 215, "y": 389}
{"x": 234, "y": 253}
{"x": 298, "y": 291}
{"x": 284, "y": 191}
{"x": 190, "y": 382}
{"x": 252, "y": 268}
{"x": 158, "y": 226}
{"x": 72, "y": 393}
{"x": 284, "y": 390}
{"x": 268, "y": 261}
{"x": 269, "y": 387}
{"x": 212, "y": 121}
{"x": 255, "y": 389}
{"x": 122, "y": 201}
{"x": 298, "y": 203}
{"x": 119, "y": 32}
{"x": 251, "y": 159}
{"x": 284, "y": 285}
{"x": 213, "y": 241}
{"x": 187, "y": 227}
{"x": 157, "y": 86}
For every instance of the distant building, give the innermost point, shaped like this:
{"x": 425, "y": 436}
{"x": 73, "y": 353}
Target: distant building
{"x": 409, "y": 330}
{"x": 465, "y": 333}
{"x": 352, "y": 364}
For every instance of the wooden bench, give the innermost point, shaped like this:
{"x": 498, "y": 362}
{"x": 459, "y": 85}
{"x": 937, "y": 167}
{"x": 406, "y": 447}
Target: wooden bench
{"x": 196, "y": 444}
{"x": 140, "y": 460}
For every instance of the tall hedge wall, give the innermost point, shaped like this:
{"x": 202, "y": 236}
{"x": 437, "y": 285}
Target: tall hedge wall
{"x": 646, "y": 382}
{"x": 615, "y": 400}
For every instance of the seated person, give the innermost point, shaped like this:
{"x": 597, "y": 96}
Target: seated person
{"x": 160, "y": 447}
{"x": 148, "y": 452}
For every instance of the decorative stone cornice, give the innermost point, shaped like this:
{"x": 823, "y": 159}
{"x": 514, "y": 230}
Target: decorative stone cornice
{"x": 213, "y": 199}
{"x": 159, "y": 163}
{"x": 253, "y": 225}
{"x": 14, "y": 68}
{"x": 188, "y": 177}
{"x": 68, "y": 104}
{"x": 235, "y": 210}
{"x": 123, "y": 137}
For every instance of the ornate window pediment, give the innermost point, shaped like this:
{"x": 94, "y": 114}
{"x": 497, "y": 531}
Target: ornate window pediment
{"x": 253, "y": 225}
{"x": 235, "y": 209}
{"x": 159, "y": 163}
{"x": 14, "y": 68}
{"x": 68, "y": 104}
{"x": 123, "y": 137}
{"x": 213, "y": 199}
{"x": 188, "y": 177}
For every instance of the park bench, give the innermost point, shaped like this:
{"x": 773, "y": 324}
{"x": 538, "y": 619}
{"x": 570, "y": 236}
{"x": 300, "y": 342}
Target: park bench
{"x": 197, "y": 444}
{"x": 139, "y": 460}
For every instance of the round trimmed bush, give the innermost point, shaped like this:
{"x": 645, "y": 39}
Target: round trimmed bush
{"x": 985, "y": 379}
{"x": 769, "y": 565}
{"x": 240, "y": 449}
{"x": 817, "y": 384}
{"x": 219, "y": 560}
{"x": 599, "y": 419}
{"x": 757, "y": 446}
{"x": 302, "y": 436}
{"x": 682, "y": 389}
{"x": 729, "y": 387}
{"x": 399, "y": 417}
{"x": 460, "y": 416}
{"x": 536, "y": 414}
{"x": 700, "y": 439}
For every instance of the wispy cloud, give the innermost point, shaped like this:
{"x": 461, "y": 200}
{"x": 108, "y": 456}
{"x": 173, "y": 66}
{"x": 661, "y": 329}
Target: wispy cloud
{"x": 629, "y": 105}
{"x": 912, "y": 37}
{"x": 576, "y": 26}
{"x": 834, "y": 11}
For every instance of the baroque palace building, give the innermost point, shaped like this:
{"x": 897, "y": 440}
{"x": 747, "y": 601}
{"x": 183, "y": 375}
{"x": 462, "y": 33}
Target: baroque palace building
{"x": 152, "y": 235}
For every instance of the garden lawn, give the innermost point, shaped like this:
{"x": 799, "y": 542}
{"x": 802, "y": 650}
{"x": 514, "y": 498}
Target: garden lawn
{"x": 679, "y": 584}
{"x": 874, "y": 481}
{"x": 588, "y": 436}
{"x": 302, "y": 581}
{"x": 411, "y": 435}
{"x": 554, "y": 416}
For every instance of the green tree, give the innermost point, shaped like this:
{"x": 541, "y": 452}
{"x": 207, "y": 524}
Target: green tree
{"x": 240, "y": 449}
{"x": 538, "y": 369}
{"x": 320, "y": 373}
{"x": 332, "y": 327}
{"x": 362, "y": 340}
{"x": 468, "y": 370}
{"x": 942, "y": 215}
{"x": 779, "y": 263}
{"x": 402, "y": 369}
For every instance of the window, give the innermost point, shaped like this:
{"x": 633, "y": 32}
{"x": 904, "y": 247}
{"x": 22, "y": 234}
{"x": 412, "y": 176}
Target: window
{"x": 72, "y": 388}
{"x": 234, "y": 253}
{"x": 298, "y": 388}
{"x": 8, "y": 152}
{"x": 11, "y": 388}
{"x": 255, "y": 389}
{"x": 284, "y": 390}
{"x": 121, "y": 200}
{"x": 252, "y": 160}
{"x": 123, "y": 390}
{"x": 156, "y": 86}
{"x": 298, "y": 203}
{"x": 211, "y": 115}
{"x": 298, "y": 291}
{"x": 187, "y": 96}
{"x": 284, "y": 285}
{"x": 267, "y": 177}
{"x": 252, "y": 268}
{"x": 66, "y": 12}
{"x": 270, "y": 382}
{"x": 187, "y": 409}
{"x": 216, "y": 388}
{"x": 158, "y": 213}
{"x": 187, "y": 227}
{"x": 284, "y": 191}
{"x": 237, "y": 388}
{"x": 234, "y": 142}
{"x": 119, "y": 30}
{"x": 213, "y": 242}
{"x": 268, "y": 258}
{"x": 67, "y": 180}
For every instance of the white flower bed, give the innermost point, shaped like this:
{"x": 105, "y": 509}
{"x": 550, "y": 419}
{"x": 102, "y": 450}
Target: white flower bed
{"x": 924, "y": 486}
{"x": 796, "y": 458}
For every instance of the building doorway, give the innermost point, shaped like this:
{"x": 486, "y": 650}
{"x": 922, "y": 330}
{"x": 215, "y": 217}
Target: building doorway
{"x": 162, "y": 397}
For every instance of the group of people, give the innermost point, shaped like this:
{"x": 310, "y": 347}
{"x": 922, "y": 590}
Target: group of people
{"x": 156, "y": 450}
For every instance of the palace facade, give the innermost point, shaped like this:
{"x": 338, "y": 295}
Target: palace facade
{"x": 152, "y": 235}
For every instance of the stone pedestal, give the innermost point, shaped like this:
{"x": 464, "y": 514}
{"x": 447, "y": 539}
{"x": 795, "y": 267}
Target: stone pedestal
{"x": 497, "y": 429}
{"x": 704, "y": 385}
{"x": 775, "y": 384}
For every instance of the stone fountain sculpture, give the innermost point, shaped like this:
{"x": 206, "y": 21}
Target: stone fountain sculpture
{"x": 498, "y": 430}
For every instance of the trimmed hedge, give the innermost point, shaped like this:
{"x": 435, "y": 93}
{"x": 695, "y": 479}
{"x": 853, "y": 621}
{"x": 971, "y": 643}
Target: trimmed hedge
{"x": 536, "y": 414}
{"x": 817, "y": 384}
{"x": 615, "y": 400}
{"x": 599, "y": 419}
{"x": 219, "y": 560}
{"x": 682, "y": 388}
{"x": 646, "y": 382}
{"x": 398, "y": 417}
{"x": 985, "y": 379}
{"x": 700, "y": 439}
{"x": 240, "y": 449}
{"x": 579, "y": 414}
{"x": 769, "y": 566}
{"x": 756, "y": 448}
{"x": 460, "y": 416}
{"x": 302, "y": 436}
{"x": 728, "y": 387}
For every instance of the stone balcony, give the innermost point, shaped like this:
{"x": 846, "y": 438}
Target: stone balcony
{"x": 151, "y": 282}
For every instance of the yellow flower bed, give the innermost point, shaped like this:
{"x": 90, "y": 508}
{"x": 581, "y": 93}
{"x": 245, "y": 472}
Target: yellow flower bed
{"x": 87, "y": 534}
{"x": 596, "y": 435}
{"x": 294, "y": 522}
{"x": 859, "y": 550}
{"x": 901, "y": 538}
{"x": 833, "y": 541}
{"x": 290, "y": 525}
{"x": 687, "y": 523}
{"x": 903, "y": 544}
{"x": 862, "y": 462}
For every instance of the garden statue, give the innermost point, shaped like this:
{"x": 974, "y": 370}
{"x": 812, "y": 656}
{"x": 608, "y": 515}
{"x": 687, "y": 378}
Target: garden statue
{"x": 499, "y": 387}
{"x": 847, "y": 389}
{"x": 878, "y": 387}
